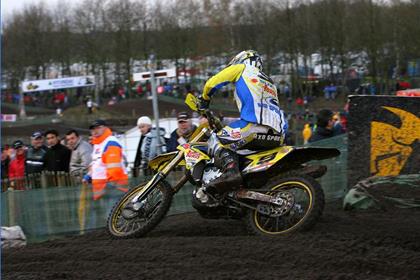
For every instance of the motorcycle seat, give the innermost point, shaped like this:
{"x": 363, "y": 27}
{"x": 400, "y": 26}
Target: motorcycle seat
{"x": 261, "y": 142}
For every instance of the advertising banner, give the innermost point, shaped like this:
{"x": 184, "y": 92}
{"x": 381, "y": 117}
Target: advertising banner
{"x": 384, "y": 136}
{"x": 50, "y": 84}
{"x": 8, "y": 117}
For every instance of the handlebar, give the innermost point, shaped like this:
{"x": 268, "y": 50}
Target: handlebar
{"x": 214, "y": 121}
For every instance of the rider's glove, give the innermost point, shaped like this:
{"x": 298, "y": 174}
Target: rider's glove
{"x": 203, "y": 104}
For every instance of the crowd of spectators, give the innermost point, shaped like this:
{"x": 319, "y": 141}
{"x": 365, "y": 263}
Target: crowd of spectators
{"x": 22, "y": 165}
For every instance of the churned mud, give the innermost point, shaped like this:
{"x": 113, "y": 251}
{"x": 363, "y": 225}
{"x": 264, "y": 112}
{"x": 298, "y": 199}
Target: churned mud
{"x": 343, "y": 245}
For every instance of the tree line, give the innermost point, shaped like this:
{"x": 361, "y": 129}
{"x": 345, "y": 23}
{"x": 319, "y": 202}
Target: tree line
{"x": 118, "y": 32}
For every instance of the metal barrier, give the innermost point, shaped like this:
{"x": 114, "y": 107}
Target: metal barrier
{"x": 45, "y": 179}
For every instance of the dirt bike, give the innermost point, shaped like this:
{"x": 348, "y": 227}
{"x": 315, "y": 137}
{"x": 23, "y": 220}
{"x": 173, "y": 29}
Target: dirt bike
{"x": 279, "y": 194}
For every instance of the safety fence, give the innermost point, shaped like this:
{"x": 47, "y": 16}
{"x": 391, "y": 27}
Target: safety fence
{"x": 334, "y": 182}
{"x": 46, "y": 212}
{"x": 44, "y": 179}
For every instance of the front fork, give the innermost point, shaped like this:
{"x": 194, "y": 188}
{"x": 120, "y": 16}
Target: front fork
{"x": 158, "y": 177}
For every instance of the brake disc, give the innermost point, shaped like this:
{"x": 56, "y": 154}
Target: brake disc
{"x": 131, "y": 210}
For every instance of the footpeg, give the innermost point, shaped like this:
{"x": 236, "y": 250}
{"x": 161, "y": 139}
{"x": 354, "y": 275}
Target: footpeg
{"x": 202, "y": 196}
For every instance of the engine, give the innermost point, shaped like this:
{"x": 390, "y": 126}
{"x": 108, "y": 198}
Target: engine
{"x": 210, "y": 173}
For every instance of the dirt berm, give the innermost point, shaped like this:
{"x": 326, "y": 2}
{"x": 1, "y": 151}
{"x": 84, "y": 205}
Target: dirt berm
{"x": 362, "y": 245}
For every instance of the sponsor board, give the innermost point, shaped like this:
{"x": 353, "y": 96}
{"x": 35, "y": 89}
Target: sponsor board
{"x": 50, "y": 84}
{"x": 384, "y": 136}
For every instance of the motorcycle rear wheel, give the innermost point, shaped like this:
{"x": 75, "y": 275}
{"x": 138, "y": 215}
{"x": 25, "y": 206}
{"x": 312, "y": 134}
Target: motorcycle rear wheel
{"x": 306, "y": 210}
{"x": 131, "y": 223}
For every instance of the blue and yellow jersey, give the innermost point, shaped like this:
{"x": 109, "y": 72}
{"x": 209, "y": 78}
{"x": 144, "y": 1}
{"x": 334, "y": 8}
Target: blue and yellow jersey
{"x": 255, "y": 95}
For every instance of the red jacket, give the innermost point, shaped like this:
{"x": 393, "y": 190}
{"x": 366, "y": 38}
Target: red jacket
{"x": 17, "y": 167}
{"x": 17, "y": 172}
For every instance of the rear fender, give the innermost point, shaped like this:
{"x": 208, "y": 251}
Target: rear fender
{"x": 287, "y": 157}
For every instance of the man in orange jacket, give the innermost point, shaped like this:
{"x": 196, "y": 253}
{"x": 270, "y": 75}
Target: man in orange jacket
{"x": 107, "y": 169}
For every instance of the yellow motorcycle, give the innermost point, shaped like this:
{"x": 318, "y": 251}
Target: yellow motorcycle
{"x": 279, "y": 194}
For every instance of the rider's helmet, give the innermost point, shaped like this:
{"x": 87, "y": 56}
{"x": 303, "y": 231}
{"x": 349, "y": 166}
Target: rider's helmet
{"x": 249, "y": 57}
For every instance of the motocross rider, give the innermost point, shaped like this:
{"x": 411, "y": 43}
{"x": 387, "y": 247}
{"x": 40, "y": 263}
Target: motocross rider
{"x": 257, "y": 101}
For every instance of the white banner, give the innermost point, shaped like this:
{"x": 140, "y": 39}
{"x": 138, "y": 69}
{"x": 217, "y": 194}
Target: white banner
{"x": 70, "y": 82}
{"x": 8, "y": 117}
{"x": 159, "y": 74}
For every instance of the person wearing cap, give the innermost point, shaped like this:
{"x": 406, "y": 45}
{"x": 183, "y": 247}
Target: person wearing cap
{"x": 107, "y": 169}
{"x": 182, "y": 134}
{"x": 35, "y": 155}
{"x": 147, "y": 148}
{"x": 81, "y": 154}
{"x": 58, "y": 156}
{"x": 5, "y": 161}
{"x": 17, "y": 166}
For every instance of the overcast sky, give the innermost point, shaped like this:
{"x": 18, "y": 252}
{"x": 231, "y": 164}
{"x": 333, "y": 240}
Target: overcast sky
{"x": 8, "y": 6}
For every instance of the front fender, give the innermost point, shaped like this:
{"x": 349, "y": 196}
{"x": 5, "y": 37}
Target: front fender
{"x": 160, "y": 161}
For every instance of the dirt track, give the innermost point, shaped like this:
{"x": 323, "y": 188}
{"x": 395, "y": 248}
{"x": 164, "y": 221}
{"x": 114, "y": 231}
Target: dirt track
{"x": 368, "y": 245}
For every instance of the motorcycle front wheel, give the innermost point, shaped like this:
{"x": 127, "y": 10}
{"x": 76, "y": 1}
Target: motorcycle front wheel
{"x": 304, "y": 204}
{"x": 128, "y": 220}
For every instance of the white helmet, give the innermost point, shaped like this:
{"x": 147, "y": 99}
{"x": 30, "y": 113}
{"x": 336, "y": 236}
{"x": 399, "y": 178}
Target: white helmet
{"x": 249, "y": 57}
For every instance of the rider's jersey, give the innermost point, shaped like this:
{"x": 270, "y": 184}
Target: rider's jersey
{"x": 255, "y": 94}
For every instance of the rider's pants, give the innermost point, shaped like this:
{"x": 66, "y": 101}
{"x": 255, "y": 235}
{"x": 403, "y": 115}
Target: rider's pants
{"x": 235, "y": 136}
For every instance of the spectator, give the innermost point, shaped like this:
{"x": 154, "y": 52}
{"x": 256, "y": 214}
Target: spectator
{"x": 182, "y": 134}
{"x": 121, "y": 93}
{"x": 17, "y": 167}
{"x": 58, "y": 156}
{"x": 139, "y": 89}
{"x": 35, "y": 155}
{"x": 306, "y": 133}
{"x": 286, "y": 91}
{"x": 5, "y": 160}
{"x": 89, "y": 105}
{"x": 324, "y": 126}
{"x": 343, "y": 120}
{"x": 108, "y": 166}
{"x": 330, "y": 91}
{"x": 337, "y": 126}
{"x": 372, "y": 89}
{"x": 81, "y": 154}
{"x": 147, "y": 148}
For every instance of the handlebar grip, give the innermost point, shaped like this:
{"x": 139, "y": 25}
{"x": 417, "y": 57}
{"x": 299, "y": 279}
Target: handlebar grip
{"x": 213, "y": 121}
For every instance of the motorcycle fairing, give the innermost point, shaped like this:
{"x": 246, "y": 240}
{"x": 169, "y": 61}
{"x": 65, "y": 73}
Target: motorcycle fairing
{"x": 192, "y": 154}
{"x": 264, "y": 160}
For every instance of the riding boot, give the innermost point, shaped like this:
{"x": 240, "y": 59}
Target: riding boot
{"x": 231, "y": 178}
